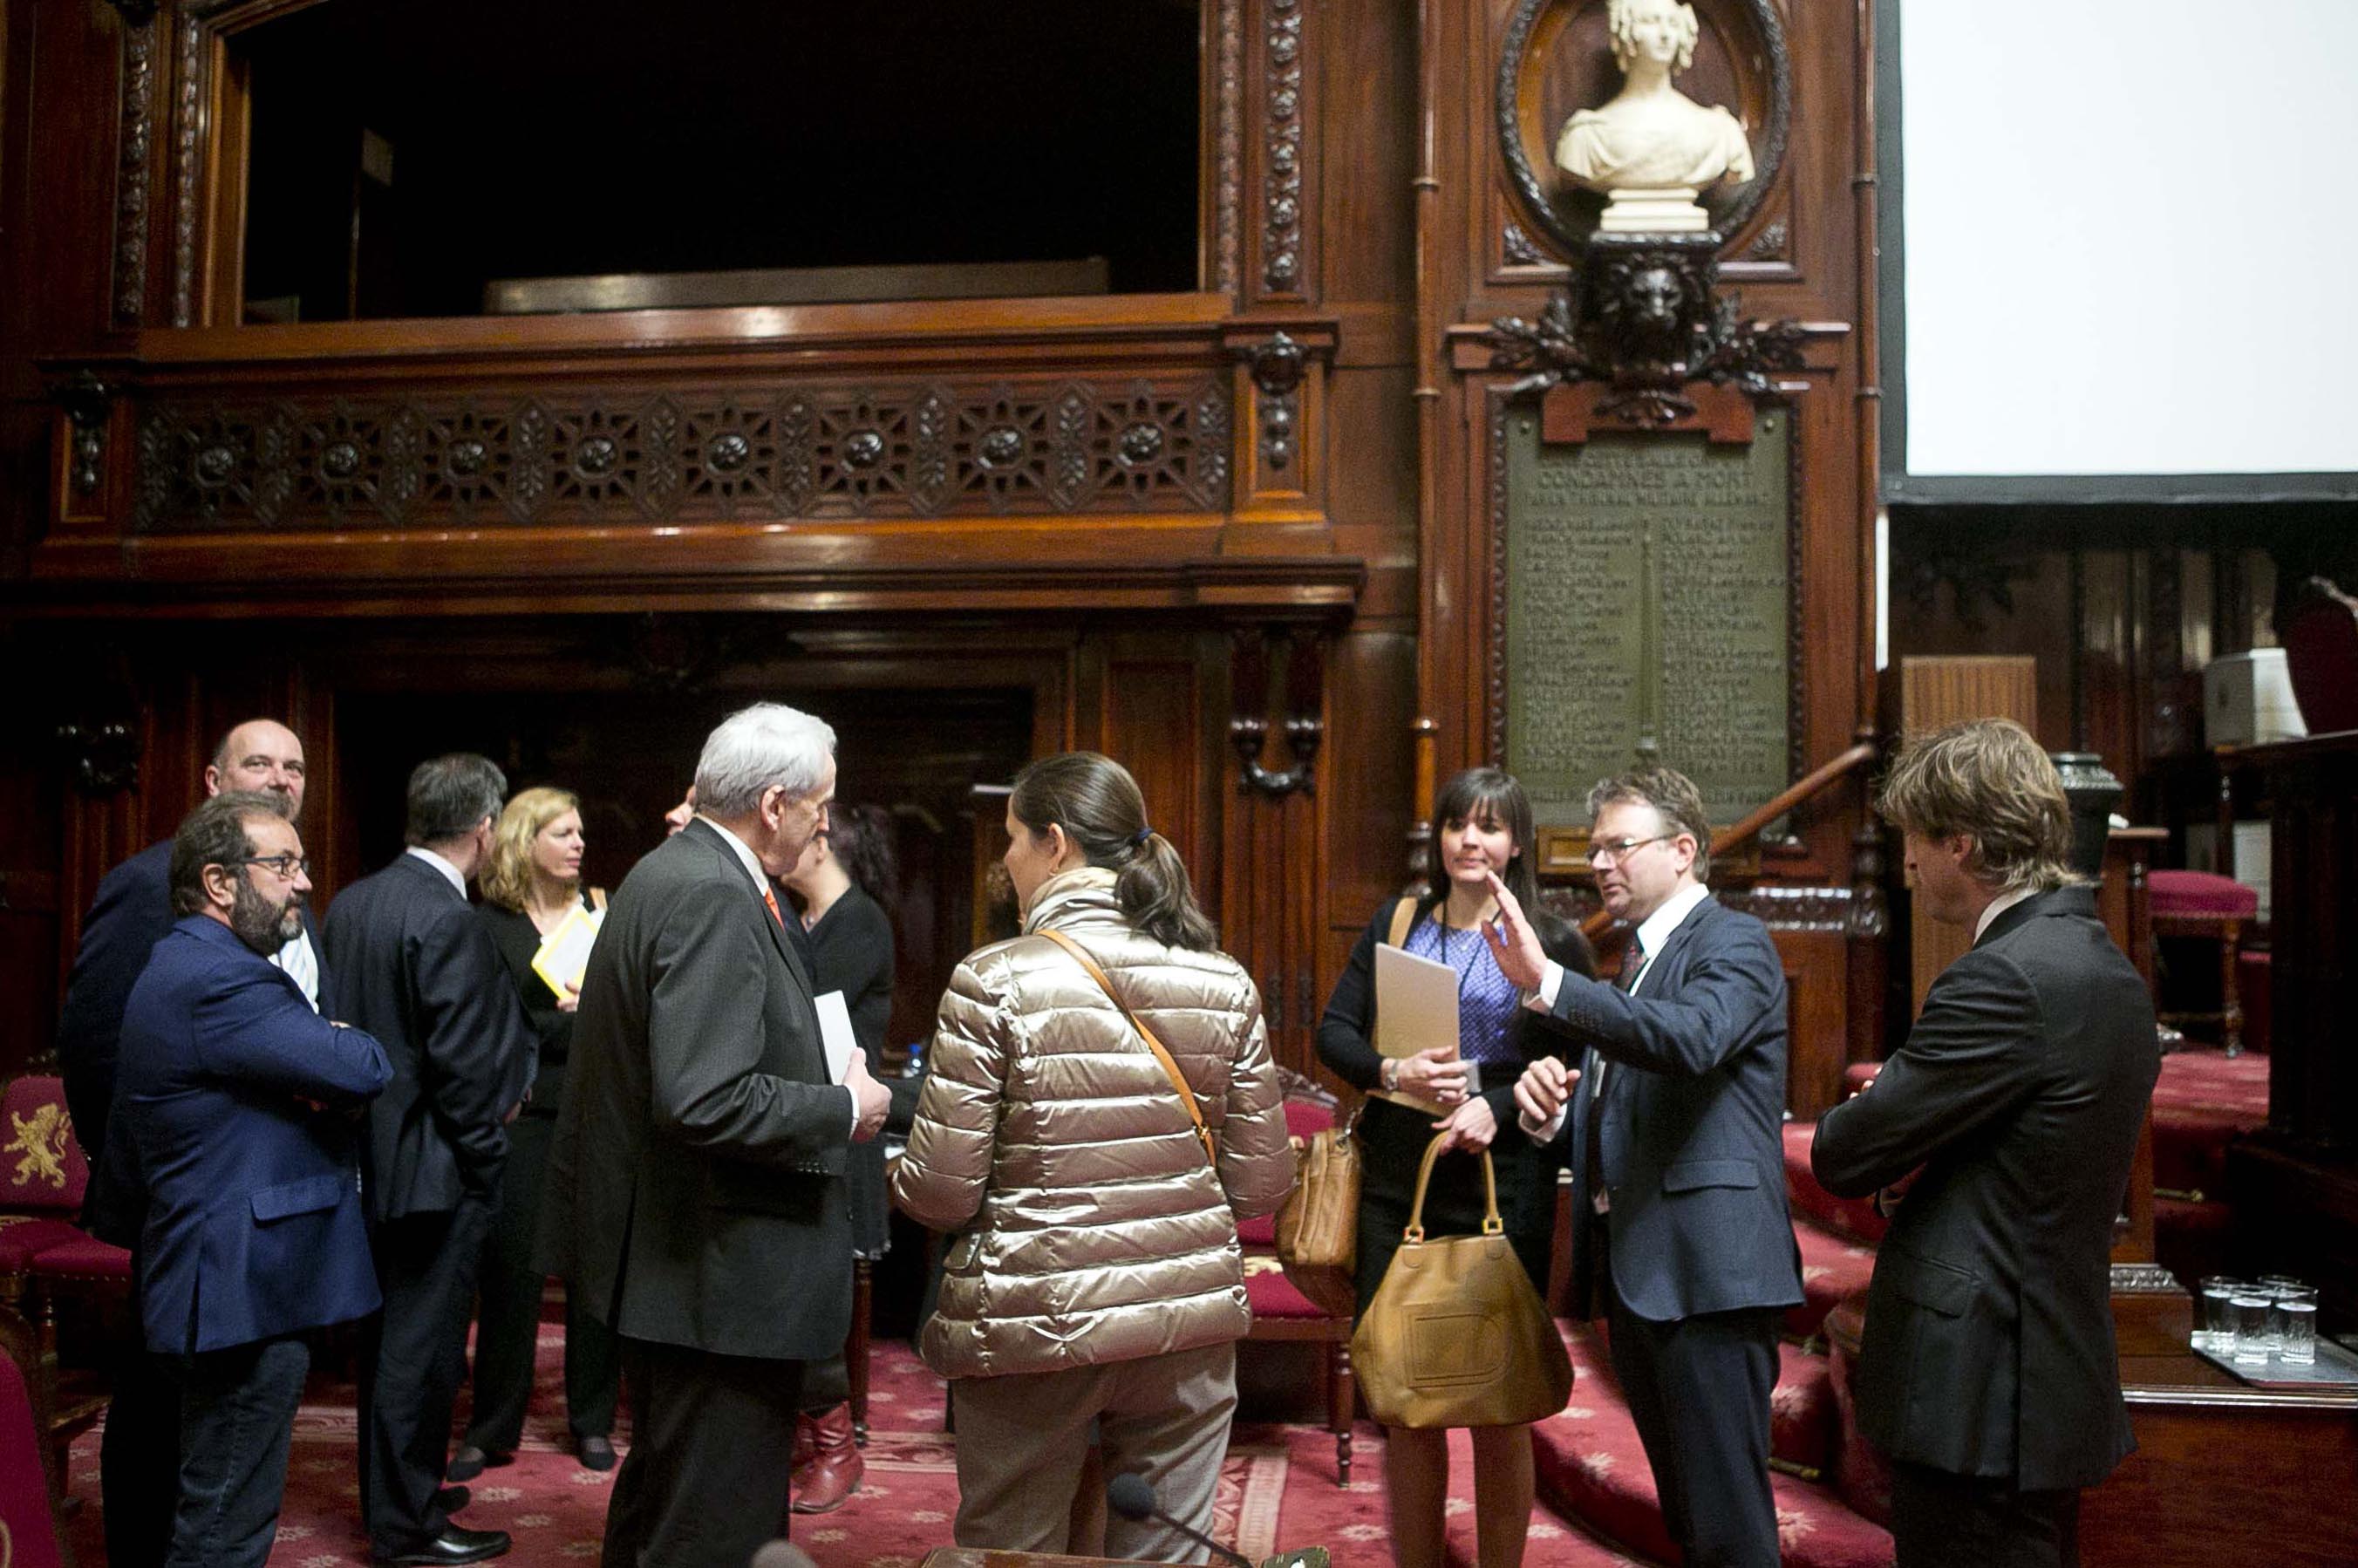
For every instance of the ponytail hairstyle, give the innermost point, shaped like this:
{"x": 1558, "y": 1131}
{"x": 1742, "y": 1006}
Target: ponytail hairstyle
{"x": 1097, "y": 804}
{"x": 860, "y": 837}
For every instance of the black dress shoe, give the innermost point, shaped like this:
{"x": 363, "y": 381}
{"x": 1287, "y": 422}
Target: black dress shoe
{"x": 470, "y": 1462}
{"x": 595, "y": 1452}
{"x": 451, "y": 1499}
{"x": 455, "y": 1544}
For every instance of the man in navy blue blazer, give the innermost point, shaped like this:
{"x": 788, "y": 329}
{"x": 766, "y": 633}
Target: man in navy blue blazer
{"x": 139, "y": 1459}
{"x": 1673, "y": 1125}
{"x": 230, "y": 1097}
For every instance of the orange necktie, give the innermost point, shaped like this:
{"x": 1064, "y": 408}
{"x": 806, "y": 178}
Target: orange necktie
{"x": 770, "y": 901}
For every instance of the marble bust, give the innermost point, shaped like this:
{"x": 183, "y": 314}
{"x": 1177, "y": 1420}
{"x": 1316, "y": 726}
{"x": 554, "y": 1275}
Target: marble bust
{"x": 1651, "y": 148}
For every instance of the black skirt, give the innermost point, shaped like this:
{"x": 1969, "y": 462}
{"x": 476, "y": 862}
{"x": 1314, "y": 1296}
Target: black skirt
{"x": 1393, "y": 1143}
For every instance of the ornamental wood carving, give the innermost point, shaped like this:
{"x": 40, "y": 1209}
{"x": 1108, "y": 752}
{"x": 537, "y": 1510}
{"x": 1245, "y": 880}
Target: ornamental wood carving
{"x": 891, "y": 449}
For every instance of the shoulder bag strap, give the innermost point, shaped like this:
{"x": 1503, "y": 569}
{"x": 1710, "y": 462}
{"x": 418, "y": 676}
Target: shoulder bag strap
{"x": 1403, "y": 916}
{"x": 1170, "y": 1067}
{"x": 598, "y": 899}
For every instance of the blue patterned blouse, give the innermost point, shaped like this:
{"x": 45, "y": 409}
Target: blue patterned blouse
{"x": 1486, "y": 999}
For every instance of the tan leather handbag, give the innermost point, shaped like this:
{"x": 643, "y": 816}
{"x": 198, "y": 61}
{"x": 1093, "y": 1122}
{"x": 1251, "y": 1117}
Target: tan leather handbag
{"x": 1318, "y": 1228}
{"x": 1456, "y": 1336}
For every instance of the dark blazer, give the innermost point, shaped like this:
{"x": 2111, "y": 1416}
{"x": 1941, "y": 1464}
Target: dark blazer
{"x": 416, "y": 968}
{"x": 850, "y": 950}
{"x": 2021, "y": 1091}
{"x": 695, "y": 1194}
{"x": 518, "y": 941}
{"x": 253, "y": 1225}
{"x": 130, "y": 915}
{"x": 1691, "y": 1132}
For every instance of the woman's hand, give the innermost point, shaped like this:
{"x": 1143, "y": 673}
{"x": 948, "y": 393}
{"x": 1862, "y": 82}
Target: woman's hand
{"x": 1432, "y": 1074}
{"x": 1470, "y": 1126}
{"x": 570, "y": 1001}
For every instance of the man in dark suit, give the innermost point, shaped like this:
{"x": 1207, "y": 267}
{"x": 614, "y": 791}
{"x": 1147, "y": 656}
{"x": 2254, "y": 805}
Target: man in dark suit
{"x": 139, "y": 1456}
{"x": 229, "y": 1104}
{"x": 415, "y": 967}
{"x": 1682, "y": 1239}
{"x": 695, "y": 1201}
{"x": 1988, "y": 1373}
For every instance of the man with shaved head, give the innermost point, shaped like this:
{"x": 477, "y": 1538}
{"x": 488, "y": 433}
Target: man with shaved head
{"x": 140, "y": 1458}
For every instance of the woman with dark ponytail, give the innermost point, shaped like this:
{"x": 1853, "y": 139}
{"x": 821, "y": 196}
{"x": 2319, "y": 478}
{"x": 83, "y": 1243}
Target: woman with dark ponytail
{"x": 1094, "y": 1273}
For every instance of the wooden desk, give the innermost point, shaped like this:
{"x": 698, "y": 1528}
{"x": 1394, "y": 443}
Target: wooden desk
{"x": 2227, "y": 1474}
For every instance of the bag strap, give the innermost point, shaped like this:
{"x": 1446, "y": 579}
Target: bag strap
{"x": 1170, "y": 1067}
{"x": 598, "y": 899}
{"x": 1403, "y": 916}
{"x": 1491, "y": 1224}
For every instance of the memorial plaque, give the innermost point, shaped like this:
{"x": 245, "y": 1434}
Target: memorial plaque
{"x": 1648, "y": 602}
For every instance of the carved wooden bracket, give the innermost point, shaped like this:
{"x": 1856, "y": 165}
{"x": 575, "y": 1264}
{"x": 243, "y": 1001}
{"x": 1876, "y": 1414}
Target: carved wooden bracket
{"x": 1643, "y": 317}
{"x": 1278, "y": 368}
{"x": 103, "y": 755}
{"x": 88, "y": 403}
{"x": 1304, "y": 726}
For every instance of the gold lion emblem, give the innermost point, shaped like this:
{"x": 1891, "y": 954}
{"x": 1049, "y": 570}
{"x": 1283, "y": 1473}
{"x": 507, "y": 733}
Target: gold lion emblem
{"x": 40, "y": 1144}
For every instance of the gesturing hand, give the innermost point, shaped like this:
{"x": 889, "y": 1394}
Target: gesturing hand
{"x": 1513, "y": 942}
{"x": 1542, "y": 1092}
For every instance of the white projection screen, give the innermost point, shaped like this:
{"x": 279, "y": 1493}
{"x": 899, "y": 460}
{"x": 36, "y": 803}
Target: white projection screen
{"x": 2115, "y": 238}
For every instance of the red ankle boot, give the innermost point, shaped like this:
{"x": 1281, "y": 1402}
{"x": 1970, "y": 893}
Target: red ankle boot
{"x": 836, "y": 1469}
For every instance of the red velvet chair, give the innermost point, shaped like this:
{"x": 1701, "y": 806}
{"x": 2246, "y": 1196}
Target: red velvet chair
{"x": 1282, "y": 1313}
{"x": 43, "y": 1255}
{"x": 28, "y": 1522}
{"x": 2207, "y": 905}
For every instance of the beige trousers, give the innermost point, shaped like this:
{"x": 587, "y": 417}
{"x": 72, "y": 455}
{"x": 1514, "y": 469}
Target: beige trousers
{"x": 1021, "y": 1440}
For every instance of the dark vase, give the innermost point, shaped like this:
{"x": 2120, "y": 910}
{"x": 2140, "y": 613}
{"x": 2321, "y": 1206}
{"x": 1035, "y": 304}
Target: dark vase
{"x": 2092, "y": 792}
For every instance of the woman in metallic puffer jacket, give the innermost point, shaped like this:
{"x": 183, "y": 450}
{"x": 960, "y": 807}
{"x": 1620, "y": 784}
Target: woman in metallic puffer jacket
{"x": 1093, "y": 1273}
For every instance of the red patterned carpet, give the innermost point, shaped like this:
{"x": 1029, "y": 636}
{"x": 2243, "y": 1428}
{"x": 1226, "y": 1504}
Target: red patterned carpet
{"x": 1278, "y": 1490}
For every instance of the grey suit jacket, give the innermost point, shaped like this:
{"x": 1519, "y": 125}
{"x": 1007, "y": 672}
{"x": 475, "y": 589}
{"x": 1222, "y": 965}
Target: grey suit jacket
{"x": 695, "y": 1194}
{"x": 1691, "y": 1136}
{"x": 2021, "y": 1091}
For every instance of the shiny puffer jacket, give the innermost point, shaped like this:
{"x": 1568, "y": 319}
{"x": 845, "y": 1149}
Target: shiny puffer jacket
{"x": 1089, "y": 1226}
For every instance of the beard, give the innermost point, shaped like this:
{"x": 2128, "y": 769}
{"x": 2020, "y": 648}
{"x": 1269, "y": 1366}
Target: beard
{"x": 261, "y": 924}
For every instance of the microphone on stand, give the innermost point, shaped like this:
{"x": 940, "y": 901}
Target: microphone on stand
{"x": 1131, "y": 1496}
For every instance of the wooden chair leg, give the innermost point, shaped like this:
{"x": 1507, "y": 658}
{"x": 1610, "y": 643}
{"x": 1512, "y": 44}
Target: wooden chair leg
{"x": 2231, "y": 997}
{"x": 855, "y": 1348}
{"x": 1342, "y": 1395}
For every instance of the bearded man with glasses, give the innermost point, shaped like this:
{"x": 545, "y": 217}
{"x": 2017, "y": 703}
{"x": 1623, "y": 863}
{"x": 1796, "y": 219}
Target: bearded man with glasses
{"x": 1671, "y": 1123}
{"x": 233, "y": 1109}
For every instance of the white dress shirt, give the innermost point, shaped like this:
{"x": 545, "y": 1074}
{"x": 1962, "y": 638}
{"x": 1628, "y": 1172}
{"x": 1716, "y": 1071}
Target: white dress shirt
{"x": 1998, "y": 906}
{"x": 450, "y": 873}
{"x": 301, "y": 964}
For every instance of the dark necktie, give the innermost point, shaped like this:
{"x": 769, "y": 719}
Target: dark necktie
{"x": 1593, "y": 1161}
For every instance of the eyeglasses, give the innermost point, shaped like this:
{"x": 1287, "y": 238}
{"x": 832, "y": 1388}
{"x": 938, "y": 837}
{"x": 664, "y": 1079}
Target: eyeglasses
{"x": 1615, "y": 852}
{"x": 285, "y": 865}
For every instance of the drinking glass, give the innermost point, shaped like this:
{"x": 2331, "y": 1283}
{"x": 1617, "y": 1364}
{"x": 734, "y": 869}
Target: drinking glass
{"x": 2249, "y": 1314}
{"x": 2293, "y": 1309}
{"x": 2215, "y": 1329}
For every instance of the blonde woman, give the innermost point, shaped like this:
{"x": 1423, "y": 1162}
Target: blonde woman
{"x": 531, "y": 884}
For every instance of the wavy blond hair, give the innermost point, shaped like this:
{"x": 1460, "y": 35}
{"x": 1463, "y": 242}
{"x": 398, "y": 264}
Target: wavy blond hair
{"x": 507, "y": 876}
{"x": 1987, "y": 779}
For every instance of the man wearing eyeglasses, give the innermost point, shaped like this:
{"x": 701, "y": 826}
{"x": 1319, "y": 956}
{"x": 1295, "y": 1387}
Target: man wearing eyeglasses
{"x": 1671, "y": 1124}
{"x": 415, "y": 967}
{"x": 230, "y": 1105}
{"x": 139, "y": 1456}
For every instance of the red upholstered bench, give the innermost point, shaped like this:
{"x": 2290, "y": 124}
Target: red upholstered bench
{"x": 2215, "y": 908}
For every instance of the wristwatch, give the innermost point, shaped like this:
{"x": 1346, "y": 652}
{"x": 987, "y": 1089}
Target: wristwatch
{"x": 1390, "y": 1074}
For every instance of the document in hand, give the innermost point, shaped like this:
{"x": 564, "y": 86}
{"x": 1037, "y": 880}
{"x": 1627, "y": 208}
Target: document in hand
{"x": 564, "y": 955}
{"x": 1416, "y": 1009}
{"x": 834, "y": 1034}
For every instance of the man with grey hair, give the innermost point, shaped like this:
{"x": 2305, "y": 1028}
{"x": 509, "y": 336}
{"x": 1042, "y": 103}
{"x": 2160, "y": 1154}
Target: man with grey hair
{"x": 139, "y": 1457}
{"x": 2000, "y": 1135}
{"x": 416, "y": 968}
{"x": 695, "y": 1200}
{"x": 1681, "y": 1238}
